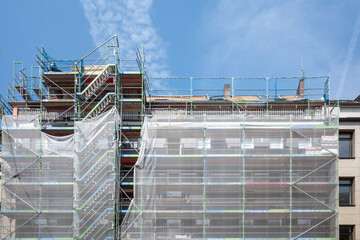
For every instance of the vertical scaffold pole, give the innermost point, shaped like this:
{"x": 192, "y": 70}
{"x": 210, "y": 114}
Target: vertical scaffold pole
{"x": 308, "y": 91}
{"x": 142, "y": 85}
{"x": 267, "y": 96}
{"x": 75, "y": 215}
{"x": 13, "y": 88}
{"x": 76, "y": 117}
{"x": 337, "y": 169}
{"x": 118, "y": 150}
{"x": 32, "y": 81}
{"x": 107, "y": 53}
{"x": 76, "y": 111}
{"x": 191, "y": 96}
{"x": 41, "y": 85}
{"x": 232, "y": 94}
{"x": 204, "y": 178}
{"x": 290, "y": 178}
{"x": 141, "y": 199}
{"x": 40, "y": 181}
{"x": 141, "y": 176}
{"x": 40, "y": 150}
{"x": 116, "y": 136}
{"x": 1, "y": 161}
{"x": 41, "y": 113}
{"x": 150, "y": 93}
{"x": 115, "y": 169}
{"x": 328, "y": 89}
{"x": 243, "y": 178}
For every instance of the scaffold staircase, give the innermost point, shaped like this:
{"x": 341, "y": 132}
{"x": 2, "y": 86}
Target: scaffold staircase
{"x": 95, "y": 85}
{"x": 5, "y": 108}
{"x": 94, "y": 177}
{"x": 101, "y": 106}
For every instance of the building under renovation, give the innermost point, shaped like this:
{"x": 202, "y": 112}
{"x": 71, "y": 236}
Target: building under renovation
{"x": 92, "y": 150}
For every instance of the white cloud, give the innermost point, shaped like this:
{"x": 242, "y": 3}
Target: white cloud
{"x": 269, "y": 38}
{"x": 349, "y": 55}
{"x": 131, "y": 21}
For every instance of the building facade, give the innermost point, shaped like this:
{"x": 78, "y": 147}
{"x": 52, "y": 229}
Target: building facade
{"x": 349, "y": 169}
{"x": 91, "y": 149}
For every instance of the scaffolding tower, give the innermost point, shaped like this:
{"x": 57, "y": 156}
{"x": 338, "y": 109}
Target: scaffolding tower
{"x": 235, "y": 176}
{"x": 90, "y": 150}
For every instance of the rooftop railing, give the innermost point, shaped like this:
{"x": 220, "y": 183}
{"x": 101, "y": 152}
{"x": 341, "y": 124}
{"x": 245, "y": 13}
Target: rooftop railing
{"x": 260, "y": 89}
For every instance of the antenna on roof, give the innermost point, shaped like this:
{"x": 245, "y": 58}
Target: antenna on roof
{"x": 302, "y": 67}
{"x": 300, "y": 89}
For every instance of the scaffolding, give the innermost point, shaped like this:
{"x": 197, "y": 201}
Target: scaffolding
{"x": 37, "y": 180}
{"x": 234, "y": 91}
{"x": 63, "y": 144}
{"x": 249, "y": 175}
{"x": 59, "y": 187}
{"x": 5, "y": 109}
{"x": 96, "y": 171}
{"x": 217, "y": 158}
{"x": 82, "y": 88}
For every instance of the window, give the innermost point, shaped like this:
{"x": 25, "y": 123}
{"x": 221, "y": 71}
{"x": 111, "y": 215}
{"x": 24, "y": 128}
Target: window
{"x": 303, "y": 143}
{"x": 276, "y": 143}
{"x": 346, "y": 144}
{"x": 159, "y": 143}
{"x": 260, "y": 222}
{"x": 174, "y": 177}
{"x": 173, "y": 194}
{"x": 274, "y": 222}
{"x": 233, "y": 142}
{"x": 248, "y": 144}
{"x": 200, "y": 222}
{"x": 346, "y": 232}
{"x": 201, "y": 143}
{"x": 188, "y": 142}
{"x": 173, "y": 222}
{"x": 346, "y": 192}
{"x": 248, "y": 222}
{"x": 304, "y": 222}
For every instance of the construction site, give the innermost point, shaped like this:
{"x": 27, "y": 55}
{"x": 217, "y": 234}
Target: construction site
{"x": 94, "y": 148}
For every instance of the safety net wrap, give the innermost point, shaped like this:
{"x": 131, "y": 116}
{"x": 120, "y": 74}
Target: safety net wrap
{"x": 59, "y": 187}
{"x": 94, "y": 189}
{"x": 240, "y": 175}
{"x": 37, "y": 181}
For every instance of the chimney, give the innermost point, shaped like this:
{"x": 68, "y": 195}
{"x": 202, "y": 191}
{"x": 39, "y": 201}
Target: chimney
{"x": 227, "y": 90}
{"x": 300, "y": 89}
{"x": 15, "y": 111}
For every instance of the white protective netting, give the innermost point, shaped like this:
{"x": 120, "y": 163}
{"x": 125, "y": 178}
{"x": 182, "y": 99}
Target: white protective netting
{"x": 37, "y": 181}
{"x": 58, "y": 187}
{"x": 95, "y": 152}
{"x": 235, "y": 177}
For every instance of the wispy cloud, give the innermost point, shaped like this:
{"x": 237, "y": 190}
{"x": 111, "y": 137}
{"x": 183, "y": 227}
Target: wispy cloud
{"x": 349, "y": 55}
{"x": 131, "y": 21}
{"x": 270, "y": 38}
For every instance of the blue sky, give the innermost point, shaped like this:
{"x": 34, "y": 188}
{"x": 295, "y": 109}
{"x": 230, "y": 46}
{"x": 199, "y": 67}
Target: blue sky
{"x": 194, "y": 38}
